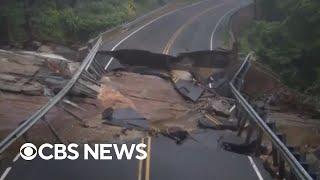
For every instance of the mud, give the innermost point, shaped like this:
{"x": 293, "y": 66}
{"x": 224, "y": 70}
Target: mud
{"x": 153, "y": 97}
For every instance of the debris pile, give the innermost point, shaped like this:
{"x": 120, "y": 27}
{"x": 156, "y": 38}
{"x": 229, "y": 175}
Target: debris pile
{"x": 139, "y": 91}
{"x": 164, "y": 93}
{"x": 26, "y": 73}
{"x": 29, "y": 79}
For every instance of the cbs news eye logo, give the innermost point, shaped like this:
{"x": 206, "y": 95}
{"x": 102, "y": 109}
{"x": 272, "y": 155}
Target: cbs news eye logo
{"x": 28, "y": 151}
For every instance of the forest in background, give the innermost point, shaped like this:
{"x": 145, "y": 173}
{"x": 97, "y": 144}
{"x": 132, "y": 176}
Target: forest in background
{"x": 286, "y": 37}
{"x": 65, "y": 21}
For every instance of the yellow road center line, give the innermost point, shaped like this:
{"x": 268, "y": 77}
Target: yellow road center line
{"x": 190, "y": 21}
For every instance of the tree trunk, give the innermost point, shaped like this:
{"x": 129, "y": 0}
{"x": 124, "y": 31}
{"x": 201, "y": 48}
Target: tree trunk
{"x": 5, "y": 26}
{"x": 28, "y": 25}
{"x": 5, "y": 36}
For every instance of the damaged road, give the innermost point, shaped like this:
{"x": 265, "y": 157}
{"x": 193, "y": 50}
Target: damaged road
{"x": 168, "y": 104}
{"x": 149, "y": 95}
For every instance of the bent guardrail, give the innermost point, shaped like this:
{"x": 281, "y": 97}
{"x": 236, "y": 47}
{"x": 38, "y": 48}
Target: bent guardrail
{"x": 279, "y": 146}
{"x": 27, "y": 124}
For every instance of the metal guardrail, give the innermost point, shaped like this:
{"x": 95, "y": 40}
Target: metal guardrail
{"x": 27, "y": 124}
{"x": 283, "y": 150}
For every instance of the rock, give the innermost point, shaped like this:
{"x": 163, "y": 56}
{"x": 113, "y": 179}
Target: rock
{"x": 183, "y": 75}
{"x": 219, "y": 106}
{"x": 10, "y": 66}
{"x": 82, "y": 53}
{"x": 41, "y": 57}
{"x": 18, "y": 84}
{"x": 73, "y": 67}
{"x": 7, "y": 77}
{"x": 11, "y": 87}
{"x": 36, "y": 44}
{"x": 112, "y": 98}
{"x": 51, "y": 81}
{"x": 27, "y": 72}
{"x": 65, "y": 52}
{"x": 45, "y": 49}
{"x": 34, "y": 89}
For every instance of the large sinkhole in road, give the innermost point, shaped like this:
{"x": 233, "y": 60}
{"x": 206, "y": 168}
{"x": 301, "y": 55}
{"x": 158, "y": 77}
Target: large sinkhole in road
{"x": 214, "y": 59}
{"x": 193, "y": 74}
{"x": 217, "y": 65}
{"x": 211, "y": 69}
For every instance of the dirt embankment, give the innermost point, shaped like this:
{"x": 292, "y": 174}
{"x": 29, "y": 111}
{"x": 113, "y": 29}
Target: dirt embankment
{"x": 292, "y": 117}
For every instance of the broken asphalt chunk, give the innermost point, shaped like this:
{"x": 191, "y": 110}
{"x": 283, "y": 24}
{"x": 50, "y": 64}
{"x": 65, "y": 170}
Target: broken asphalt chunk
{"x": 107, "y": 113}
{"x": 189, "y": 89}
{"x": 176, "y": 133}
{"x": 125, "y": 117}
{"x": 126, "y": 114}
{"x": 211, "y": 122}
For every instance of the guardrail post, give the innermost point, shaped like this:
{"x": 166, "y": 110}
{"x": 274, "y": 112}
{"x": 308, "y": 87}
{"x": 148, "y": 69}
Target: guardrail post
{"x": 239, "y": 115}
{"x": 249, "y": 133}
{"x": 263, "y": 114}
{"x": 238, "y": 83}
{"x": 274, "y": 152}
{"x": 282, "y": 171}
{"x": 243, "y": 121}
{"x": 238, "y": 112}
{"x": 259, "y": 141}
{"x": 274, "y": 155}
{"x": 292, "y": 175}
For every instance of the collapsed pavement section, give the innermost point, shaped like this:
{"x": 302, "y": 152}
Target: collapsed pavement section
{"x": 147, "y": 94}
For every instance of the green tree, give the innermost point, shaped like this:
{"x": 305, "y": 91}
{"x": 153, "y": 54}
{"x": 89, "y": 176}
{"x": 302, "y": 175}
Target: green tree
{"x": 288, "y": 39}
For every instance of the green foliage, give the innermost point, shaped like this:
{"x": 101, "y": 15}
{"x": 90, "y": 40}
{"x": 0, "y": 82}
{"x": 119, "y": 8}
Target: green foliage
{"x": 68, "y": 21}
{"x": 288, "y": 40}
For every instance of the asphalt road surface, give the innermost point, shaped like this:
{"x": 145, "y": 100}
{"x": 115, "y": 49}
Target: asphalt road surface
{"x": 199, "y": 157}
{"x": 187, "y": 29}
